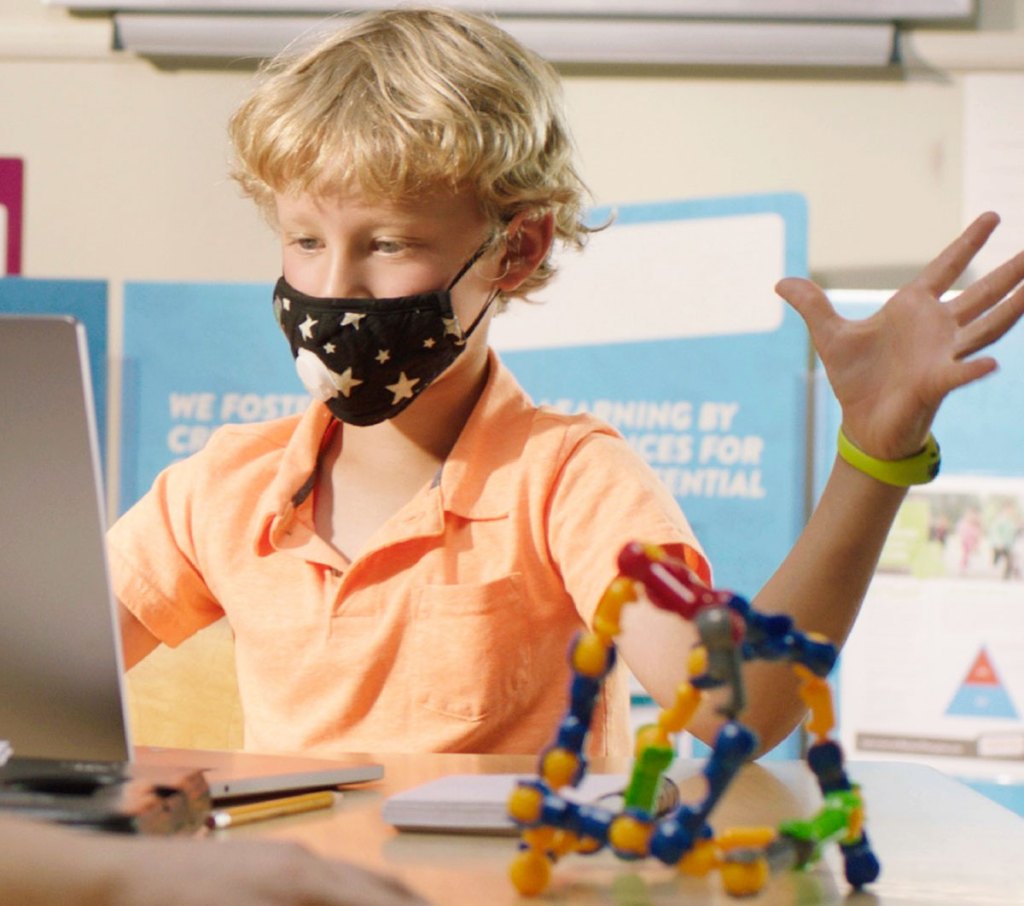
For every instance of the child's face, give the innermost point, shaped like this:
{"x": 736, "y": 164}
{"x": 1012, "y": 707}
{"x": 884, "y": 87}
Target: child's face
{"x": 347, "y": 246}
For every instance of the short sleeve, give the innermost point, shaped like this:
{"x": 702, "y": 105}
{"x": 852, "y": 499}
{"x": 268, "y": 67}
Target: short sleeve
{"x": 604, "y": 497}
{"x": 153, "y": 559}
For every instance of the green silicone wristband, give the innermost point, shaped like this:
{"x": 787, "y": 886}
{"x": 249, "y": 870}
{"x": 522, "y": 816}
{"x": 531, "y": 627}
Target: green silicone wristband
{"x": 917, "y": 469}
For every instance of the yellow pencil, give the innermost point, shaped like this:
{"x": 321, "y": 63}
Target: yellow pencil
{"x": 269, "y": 808}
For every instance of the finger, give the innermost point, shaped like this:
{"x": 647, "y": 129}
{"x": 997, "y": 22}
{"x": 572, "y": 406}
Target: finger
{"x": 963, "y": 373}
{"x": 951, "y": 262}
{"x": 985, "y": 331}
{"x": 810, "y": 302}
{"x": 986, "y": 292}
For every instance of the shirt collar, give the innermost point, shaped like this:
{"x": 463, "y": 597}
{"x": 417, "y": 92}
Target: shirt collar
{"x": 293, "y": 482}
{"x": 475, "y": 480}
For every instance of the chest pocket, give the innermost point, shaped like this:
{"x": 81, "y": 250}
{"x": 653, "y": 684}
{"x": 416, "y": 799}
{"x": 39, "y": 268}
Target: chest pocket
{"x": 471, "y": 646}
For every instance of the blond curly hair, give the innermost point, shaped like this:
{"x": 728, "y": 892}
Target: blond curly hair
{"x": 405, "y": 101}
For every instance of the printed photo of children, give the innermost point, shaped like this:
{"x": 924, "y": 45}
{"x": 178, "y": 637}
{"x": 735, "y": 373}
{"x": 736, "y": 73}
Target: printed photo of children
{"x": 965, "y": 528}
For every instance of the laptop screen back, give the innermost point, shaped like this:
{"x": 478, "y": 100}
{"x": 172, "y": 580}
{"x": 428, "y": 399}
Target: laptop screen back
{"x": 60, "y": 662}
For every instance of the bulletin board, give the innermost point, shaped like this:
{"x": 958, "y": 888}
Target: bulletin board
{"x": 85, "y": 300}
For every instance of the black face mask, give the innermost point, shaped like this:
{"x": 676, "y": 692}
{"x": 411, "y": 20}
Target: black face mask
{"x": 368, "y": 359}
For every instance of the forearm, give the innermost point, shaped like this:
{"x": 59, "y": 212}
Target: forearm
{"x": 44, "y": 865}
{"x": 822, "y": 581}
{"x": 890, "y": 373}
{"x": 821, "y": 584}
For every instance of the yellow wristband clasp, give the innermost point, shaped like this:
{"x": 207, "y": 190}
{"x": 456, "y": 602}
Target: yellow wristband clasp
{"x": 902, "y": 473}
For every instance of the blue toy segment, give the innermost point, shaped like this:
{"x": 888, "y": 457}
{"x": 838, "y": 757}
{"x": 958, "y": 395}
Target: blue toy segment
{"x": 733, "y": 746}
{"x": 730, "y": 631}
{"x": 860, "y": 864}
{"x": 573, "y": 733}
{"x": 817, "y": 656}
{"x": 571, "y": 737}
{"x": 771, "y": 637}
{"x": 675, "y": 836}
{"x": 826, "y": 760}
{"x": 766, "y": 633}
{"x": 561, "y": 813}
{"x": 593, "y": 823}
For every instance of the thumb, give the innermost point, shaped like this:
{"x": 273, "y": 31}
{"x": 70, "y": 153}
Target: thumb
{"x": 809, "y": 301}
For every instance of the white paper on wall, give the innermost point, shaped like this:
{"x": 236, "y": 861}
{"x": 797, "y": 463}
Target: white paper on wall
{"x": 934, "y": 669}
{"x": 992, "y": 161}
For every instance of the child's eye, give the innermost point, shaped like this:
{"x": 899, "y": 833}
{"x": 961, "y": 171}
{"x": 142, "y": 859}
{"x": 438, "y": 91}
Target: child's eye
{"x": 307, "y": 243}
{"x": 389, "y": 246}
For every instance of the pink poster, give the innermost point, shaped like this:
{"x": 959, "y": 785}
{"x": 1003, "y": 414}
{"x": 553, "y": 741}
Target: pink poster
{"x": 12, "y": 193}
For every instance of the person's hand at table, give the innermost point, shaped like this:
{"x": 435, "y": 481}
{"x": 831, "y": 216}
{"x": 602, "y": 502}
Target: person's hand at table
{"x": 45, "y": 865}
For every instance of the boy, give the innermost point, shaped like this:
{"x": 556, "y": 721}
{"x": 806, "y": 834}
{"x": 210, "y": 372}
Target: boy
{"x": 403, "y": 566}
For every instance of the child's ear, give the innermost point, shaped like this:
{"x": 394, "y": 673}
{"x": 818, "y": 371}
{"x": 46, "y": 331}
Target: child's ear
{"x": 526, "y": 246}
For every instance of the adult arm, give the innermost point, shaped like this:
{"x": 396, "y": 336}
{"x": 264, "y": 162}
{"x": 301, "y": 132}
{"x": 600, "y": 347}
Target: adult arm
{"x": 46, "y": 865}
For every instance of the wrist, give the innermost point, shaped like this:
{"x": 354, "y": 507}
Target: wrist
{"x": 920, "y": 468}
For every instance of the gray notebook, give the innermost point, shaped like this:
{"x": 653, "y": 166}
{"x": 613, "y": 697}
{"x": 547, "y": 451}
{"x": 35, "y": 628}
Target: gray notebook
{"x": 61, "y": 685}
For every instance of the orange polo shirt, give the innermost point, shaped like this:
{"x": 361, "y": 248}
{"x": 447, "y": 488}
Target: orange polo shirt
{"x": 449, "y": 632}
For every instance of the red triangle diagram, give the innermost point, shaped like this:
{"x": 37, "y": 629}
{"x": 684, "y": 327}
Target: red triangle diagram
{"x": 982, "y": 693}
{"x": 982, "y": 673}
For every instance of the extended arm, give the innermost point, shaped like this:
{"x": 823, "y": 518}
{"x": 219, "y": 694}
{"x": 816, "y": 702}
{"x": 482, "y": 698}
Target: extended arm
{"x": 890, "y": 373}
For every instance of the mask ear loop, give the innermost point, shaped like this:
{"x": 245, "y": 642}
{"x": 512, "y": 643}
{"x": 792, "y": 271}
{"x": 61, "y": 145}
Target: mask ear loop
{"x": 490, "y": 299}
{"x": 480, "y": 316}
{"x": 473, "y": 259}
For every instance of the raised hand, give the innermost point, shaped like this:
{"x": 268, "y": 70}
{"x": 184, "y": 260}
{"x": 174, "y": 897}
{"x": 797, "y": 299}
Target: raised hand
{"x": 890, "y": 372}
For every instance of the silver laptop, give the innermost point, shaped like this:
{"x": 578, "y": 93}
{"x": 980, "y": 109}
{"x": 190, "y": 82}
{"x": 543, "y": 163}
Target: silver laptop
{"x": 61, "y": 688}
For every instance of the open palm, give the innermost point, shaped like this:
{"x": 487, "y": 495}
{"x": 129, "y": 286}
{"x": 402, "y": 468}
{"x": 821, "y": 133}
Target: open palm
{"x": 890, "y": 372}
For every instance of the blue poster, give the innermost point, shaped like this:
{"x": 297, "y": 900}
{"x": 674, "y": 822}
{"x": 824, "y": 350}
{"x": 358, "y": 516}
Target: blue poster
{"x": 85, "y": 300}
{"x": 196, "y": 356}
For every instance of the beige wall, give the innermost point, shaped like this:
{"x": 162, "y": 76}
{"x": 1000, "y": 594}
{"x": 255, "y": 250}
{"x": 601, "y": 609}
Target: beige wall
{"x": 126, "y": 160}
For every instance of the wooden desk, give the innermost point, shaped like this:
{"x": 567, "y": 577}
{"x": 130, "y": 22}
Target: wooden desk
{"x": 939, "y": 842}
